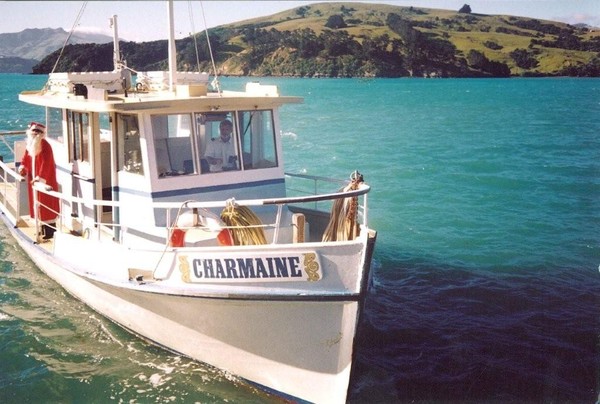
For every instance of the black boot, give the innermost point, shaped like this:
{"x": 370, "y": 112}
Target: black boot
{"x": 48, "y": 231}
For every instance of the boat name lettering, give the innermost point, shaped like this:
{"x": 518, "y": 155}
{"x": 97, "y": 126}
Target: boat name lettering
{"x": 285, "y": 268}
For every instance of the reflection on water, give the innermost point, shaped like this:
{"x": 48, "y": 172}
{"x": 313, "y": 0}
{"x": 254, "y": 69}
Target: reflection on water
{"x": 54, "y": 348}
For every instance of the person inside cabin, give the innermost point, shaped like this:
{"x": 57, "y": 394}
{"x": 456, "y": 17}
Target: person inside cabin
{"x": 38, "y": 165}
{"x": 220, "y": 151}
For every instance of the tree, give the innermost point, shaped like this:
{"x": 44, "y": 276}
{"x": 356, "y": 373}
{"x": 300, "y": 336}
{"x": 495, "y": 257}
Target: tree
{"x": 338, "y": 43}
{"x": 302, "y": 11}
{"x": 465, "y": 9}
{"x": 336, "y": 21}
{"x": 479, "y": 61}
{"x": 523, "y": 59}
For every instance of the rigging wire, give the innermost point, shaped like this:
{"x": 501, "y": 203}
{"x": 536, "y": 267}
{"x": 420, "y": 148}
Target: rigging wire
{"x": 215, "y": 82}
{"x": 76, "y": 23}
{"x": 194, "y": 35}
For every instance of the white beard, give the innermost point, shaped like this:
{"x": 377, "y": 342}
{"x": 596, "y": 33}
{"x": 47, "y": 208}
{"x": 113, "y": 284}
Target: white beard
{"x": 34, "y": 145}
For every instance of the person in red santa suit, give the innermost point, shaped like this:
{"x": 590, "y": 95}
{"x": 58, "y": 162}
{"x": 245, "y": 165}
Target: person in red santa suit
{"x": 39, "y": 157}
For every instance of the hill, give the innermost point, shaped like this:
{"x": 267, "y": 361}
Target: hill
{"x": 368, "y": 40}
{"x": 21, "y": 50}
{"x": 16, "y": 65}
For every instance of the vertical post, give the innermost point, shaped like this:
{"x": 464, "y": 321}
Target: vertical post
{"x": 298, "y": 222}
{"x": 277, "y": 224}
{"x": 172, "y": 50}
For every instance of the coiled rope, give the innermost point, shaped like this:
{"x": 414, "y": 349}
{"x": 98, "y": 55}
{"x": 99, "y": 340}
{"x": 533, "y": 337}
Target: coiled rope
{"x": 245, "y": 227}
{"x": 343, "y": 224}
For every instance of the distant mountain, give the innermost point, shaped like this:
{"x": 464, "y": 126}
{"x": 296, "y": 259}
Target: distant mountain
{"x": 21, "y": 50}
{"x": 16, "y": 65}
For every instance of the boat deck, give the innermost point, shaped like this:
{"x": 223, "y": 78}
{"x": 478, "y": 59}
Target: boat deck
{"x": 27, "y": 226}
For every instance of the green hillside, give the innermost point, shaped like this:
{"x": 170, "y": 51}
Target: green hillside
{"x": 368, "y": 40}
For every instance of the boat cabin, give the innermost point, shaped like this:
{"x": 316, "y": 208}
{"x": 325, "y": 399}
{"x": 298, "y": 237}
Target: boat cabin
{"x": 143, "y": 144}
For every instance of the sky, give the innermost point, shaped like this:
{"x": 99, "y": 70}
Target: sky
{"x": 146, "y": 20}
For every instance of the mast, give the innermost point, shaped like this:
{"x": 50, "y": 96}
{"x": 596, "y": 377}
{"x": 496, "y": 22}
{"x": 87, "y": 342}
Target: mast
{"x": 172, "y": 50}
{"x": 116, "y": 50}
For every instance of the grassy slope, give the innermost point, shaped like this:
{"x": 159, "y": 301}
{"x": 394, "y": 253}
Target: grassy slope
{"x": 463, "y": 34}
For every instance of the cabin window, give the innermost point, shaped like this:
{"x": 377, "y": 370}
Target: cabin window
{"x": 217, "y": 134}
{"x": 104, "y": 122}
{"x": 79, "y": 132}
{"x": 128, "y": 135}
{"x": 54, "y": 120}
{"x": 258, "y": 139}
{"x": 173, "y": 144}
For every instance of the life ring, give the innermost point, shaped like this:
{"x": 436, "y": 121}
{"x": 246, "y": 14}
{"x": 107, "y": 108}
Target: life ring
{"x": 192, "y": 221}
{"x": 224, "y": 237}
{"x": 178, "y": 237}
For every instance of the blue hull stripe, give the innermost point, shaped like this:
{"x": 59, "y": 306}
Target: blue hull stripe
{"x": 199, "y": 190}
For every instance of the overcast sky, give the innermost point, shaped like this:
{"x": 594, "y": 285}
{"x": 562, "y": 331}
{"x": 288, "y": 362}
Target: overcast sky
{"x": 146, "y": 20}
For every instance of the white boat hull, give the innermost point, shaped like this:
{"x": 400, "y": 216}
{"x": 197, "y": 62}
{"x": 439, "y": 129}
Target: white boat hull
{"x": 298, "y": 345}
{"x": 301, "y": 348}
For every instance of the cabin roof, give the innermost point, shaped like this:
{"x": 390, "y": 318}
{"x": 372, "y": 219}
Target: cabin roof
{"x": 105, "y": 92}
{"x": 164, "y": 101}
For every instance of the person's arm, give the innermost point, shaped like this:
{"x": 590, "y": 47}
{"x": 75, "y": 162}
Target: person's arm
{"x": 25, "y": 162}
{"x": 213, "y": 160}
{"x": 211, "y": 154}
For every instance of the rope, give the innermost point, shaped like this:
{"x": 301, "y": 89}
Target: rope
{"x": 342, "y": 224}
{"x": 70, "y": 34}
{"x": 245, "y": 227}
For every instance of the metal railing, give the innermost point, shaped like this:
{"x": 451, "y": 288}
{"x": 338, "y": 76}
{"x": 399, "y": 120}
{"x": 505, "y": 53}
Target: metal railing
{"x": 318, "y": 183}
{"x": 11, "y": 182}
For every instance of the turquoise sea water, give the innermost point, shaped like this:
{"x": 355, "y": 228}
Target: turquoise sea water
{"x": 486, "y": 196}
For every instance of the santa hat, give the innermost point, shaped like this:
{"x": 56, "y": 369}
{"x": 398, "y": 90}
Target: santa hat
{"x": 38, "y": 126}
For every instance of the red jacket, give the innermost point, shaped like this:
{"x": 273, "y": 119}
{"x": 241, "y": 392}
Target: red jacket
{"x": 45, "y": 171}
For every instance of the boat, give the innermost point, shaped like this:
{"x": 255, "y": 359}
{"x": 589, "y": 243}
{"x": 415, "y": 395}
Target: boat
{"x": 248, "y": 268}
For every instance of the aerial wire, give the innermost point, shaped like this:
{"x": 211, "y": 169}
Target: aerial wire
{"x": 194, "y": 34}
{"x": 215, "y": 82}
{"x": 75, "y": 24}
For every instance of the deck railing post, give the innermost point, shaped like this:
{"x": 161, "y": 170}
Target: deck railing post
{"x": 277, "y": 223}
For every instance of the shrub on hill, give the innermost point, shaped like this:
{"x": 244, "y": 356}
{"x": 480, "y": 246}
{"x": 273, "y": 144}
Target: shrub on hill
{"x": 524, "y": 59}
{"x": 335, "y": 22}
{"x": 466, "y": 9}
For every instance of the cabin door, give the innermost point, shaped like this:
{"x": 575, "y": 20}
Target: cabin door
{"x": 86, "y": 168}
{"x": 129, "y": 163}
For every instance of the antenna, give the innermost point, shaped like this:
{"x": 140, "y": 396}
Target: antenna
{"x": 116, "y": 50}
{"x": 172, "y": 50}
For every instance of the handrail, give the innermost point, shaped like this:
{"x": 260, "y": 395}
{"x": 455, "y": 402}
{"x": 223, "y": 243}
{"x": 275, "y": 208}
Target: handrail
{"x": 13, "y": 173}
{"x": 362, "y": 190}
{"x": 316, "y": 178}
{"x": 13, "y": 133}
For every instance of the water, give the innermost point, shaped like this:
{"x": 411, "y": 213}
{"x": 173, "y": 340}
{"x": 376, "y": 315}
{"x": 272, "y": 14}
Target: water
{"x": 486, "y": 196}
